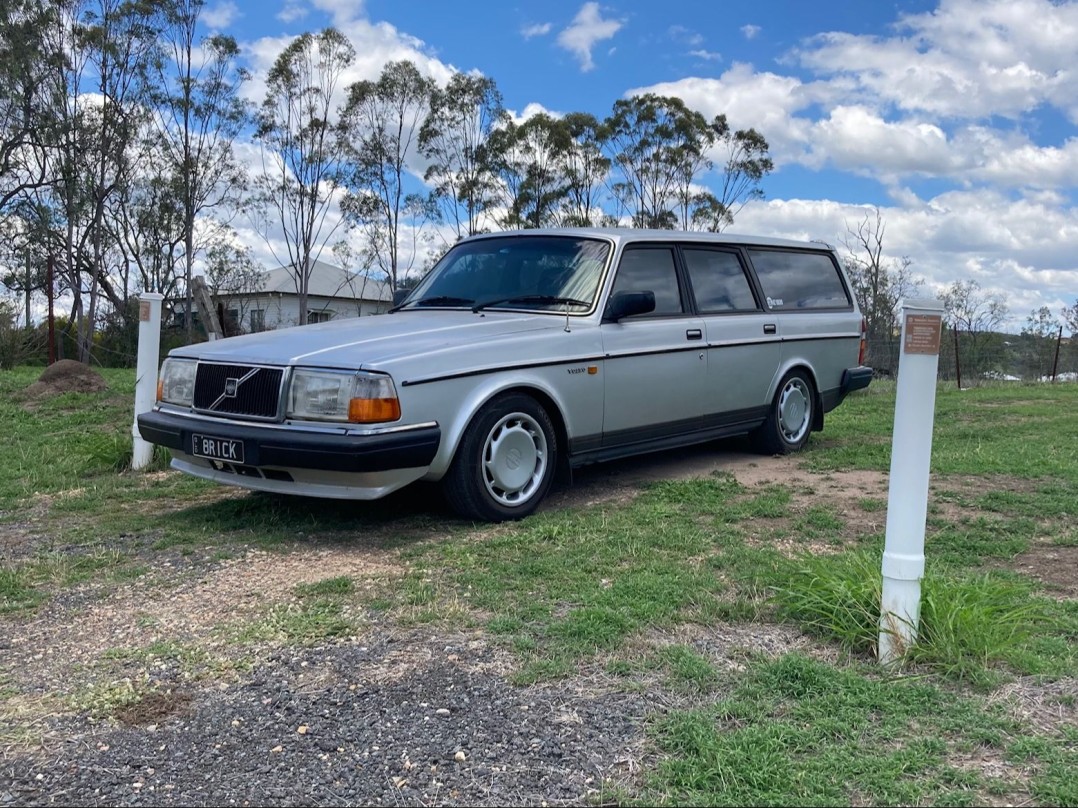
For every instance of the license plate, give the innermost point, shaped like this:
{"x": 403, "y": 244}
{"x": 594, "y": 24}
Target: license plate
{"x": 212, "y": 448}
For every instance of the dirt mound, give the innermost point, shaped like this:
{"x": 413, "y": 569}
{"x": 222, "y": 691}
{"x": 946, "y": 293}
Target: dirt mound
{"x": 67, "y": 376}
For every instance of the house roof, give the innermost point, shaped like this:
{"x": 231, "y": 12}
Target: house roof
{"x": 327, "y": 280}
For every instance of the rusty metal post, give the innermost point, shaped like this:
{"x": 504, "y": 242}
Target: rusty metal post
{"x": 957, "y": 363}
{"x": 1055, "y": 362}
{"x": 52, "y": 318}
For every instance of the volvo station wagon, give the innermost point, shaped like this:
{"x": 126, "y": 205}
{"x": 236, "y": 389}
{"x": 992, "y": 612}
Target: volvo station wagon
{"x": 521, "y": 355}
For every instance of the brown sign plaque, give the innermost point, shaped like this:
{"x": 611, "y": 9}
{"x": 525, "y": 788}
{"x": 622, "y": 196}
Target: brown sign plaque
{"x": 144, "y": 311}
{"x": 922, "y": 334}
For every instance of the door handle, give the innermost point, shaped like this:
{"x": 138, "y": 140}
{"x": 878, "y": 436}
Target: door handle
{"x": 694, "y": 333}
{"x": 769, "y": 328}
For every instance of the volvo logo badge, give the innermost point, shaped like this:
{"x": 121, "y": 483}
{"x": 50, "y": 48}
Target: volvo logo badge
{"x": 231, "y": 386}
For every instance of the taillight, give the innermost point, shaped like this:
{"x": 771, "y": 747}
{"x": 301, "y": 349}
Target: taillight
{"x": 864, "y": 332}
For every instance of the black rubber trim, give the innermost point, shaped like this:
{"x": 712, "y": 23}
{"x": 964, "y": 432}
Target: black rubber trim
{"x": 659, "y": 437}
{"x": 714, "y": 346}
{"x": 855, "y": 379}
{"x": 285, "y": 448}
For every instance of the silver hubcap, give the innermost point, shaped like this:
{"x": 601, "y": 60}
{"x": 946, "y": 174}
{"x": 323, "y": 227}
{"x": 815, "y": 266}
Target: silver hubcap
{"x": 794, "y": 408}
{"x": 514, "y": 459}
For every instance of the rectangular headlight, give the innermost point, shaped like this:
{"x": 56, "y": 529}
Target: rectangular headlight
{"x": 176, "y": 384}
{"x": 328, "y": 395}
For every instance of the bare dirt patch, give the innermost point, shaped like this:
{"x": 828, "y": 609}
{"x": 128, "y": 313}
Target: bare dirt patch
{"x": 58, "y": 648}
{"x": 1054, "y": 566}
{"x": 154, "y": 708}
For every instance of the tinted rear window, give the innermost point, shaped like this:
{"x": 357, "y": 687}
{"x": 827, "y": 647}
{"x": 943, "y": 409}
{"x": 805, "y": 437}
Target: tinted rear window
{"x": 799, "y": 280}
{"x": 718, "y": 281}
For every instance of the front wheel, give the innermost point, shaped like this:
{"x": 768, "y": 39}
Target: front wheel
{"x": 505, "y": 462}
{"x": 789, "y": 420}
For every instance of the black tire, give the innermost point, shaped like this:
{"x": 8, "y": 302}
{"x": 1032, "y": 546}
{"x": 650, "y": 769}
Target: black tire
{"x": 789, "y": 421}
{"x": 506, "y": 461}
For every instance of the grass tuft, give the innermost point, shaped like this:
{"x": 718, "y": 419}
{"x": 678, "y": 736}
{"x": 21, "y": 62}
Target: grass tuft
{"x": 969, "y": 624}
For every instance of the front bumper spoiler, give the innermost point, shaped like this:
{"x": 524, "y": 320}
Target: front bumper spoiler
{"x": 280, "y": 447}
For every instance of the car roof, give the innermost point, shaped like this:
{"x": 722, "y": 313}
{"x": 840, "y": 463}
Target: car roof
{"x": 625, "y": 235}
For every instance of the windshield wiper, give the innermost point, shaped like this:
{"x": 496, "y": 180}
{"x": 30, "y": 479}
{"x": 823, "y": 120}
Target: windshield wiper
{"x": 560, "y": 301}
{"x": 436, "y": 300}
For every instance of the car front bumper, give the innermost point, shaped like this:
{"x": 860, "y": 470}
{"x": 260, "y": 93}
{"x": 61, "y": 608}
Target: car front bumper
{"x": 331, "y": 462}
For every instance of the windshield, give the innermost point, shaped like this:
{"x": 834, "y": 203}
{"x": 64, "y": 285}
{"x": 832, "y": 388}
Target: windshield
{"x": 538, "y": 273}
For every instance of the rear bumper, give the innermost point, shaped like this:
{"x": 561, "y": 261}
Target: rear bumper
{"x": 855, "y": 379}
{"x": 283, "y": 448}
{"x": 852, "y": 379}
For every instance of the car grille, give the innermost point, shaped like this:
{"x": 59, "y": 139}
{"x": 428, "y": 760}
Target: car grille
{"x": 245, "y": 390}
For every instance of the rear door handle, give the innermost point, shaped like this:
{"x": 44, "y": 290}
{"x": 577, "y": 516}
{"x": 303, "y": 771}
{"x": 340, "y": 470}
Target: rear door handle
{"x": 694, "y": 333}
{"x": 769, "y": 328}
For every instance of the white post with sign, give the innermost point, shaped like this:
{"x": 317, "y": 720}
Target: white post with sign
{"x": 907, "y": 499}
{"x": 149, "y": 348}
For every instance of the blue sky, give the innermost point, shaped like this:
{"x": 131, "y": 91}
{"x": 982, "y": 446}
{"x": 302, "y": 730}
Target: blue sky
{"x": 958, "y": 118}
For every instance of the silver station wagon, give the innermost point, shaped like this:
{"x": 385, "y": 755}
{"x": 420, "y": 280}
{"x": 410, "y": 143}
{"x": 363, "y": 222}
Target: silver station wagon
{"x": 518, "y": 356}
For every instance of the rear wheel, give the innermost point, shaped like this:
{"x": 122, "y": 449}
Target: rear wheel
{"x": 505, "y": 462}
{"x": 789, "y": 420}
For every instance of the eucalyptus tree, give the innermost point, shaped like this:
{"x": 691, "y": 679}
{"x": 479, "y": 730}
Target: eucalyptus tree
{"x": 302, "y": 151}
{"x": 380, "y": 125}
{"x": 879, "y": 283}
{"x": 650, "y": 137}
{"x": 98, "y": 57}
{"x": 199, "y": 113}
{"x": 662, "y": 151}
{"x": 586, "y": 170}
{"x": 25, "y": 106}
{"x": 454, "y": 139}
{"x": 530, "y": 158}
{"x": 978, "y": 313}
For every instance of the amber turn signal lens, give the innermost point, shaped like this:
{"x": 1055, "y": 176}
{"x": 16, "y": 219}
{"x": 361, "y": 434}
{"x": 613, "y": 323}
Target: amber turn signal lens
{"x": 373, "y": 410}
{"x": 160, "y": 389}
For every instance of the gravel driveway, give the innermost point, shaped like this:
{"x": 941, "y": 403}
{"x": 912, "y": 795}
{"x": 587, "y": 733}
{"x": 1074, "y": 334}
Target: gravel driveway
{"x": 395, "y": 723}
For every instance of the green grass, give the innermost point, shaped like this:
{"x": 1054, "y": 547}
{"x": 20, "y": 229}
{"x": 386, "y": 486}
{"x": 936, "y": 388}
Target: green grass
{"x": 799, "y": 732}
{"x": 970, "y": 624}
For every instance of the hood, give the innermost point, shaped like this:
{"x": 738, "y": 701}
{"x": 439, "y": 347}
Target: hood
{"x": 372, "y": 342}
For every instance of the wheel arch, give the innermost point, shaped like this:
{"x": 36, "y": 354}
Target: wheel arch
{"x": 482, "y": 398}
{"x": 817, "y": 401}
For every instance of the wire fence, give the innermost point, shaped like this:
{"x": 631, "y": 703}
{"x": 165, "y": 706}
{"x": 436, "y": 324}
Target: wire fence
{"x": 970, "y": 360}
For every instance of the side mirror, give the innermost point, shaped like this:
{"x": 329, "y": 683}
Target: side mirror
{"x": 626, "y": 304}
{"x": 399, "y": 295}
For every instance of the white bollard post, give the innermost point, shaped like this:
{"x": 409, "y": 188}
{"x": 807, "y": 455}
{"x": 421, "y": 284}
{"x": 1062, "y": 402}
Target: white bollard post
{"x": 907, "y": 499}
{"x": 149, "y": 347}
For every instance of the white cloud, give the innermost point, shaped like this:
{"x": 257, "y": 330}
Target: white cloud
{"x": 750, "y": 31}
{"x": 588, "y": 28}
{"x": 538, "y": 29}
{"x": 292, "y": 11}
{"x": 856, "y": 139}
{"x": 679, "y": 33}
{"x": 221, "y": 15}
{"x": 967, "y": 58}
{"x": 706, "y": 55}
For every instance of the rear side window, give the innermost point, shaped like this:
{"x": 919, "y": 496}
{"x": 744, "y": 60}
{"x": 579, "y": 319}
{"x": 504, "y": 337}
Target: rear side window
{"x": 799, "y": 280}
{"x": 718, "y": 281}
{"x": 644, "y": 269}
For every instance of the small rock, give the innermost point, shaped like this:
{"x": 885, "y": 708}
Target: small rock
{"x": 460, "y": 756}
{"x": 441, "y": 711}
{"x": 277, "y": 748}
{"x": 302, "y": 729}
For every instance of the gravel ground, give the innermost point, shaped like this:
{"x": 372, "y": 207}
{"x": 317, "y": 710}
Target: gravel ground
{"x": 312, "y": 728}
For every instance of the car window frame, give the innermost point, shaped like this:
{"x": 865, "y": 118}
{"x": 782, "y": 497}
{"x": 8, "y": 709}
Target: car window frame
{"x": 687, "y": 303}
{"x": 742, "y": 259}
